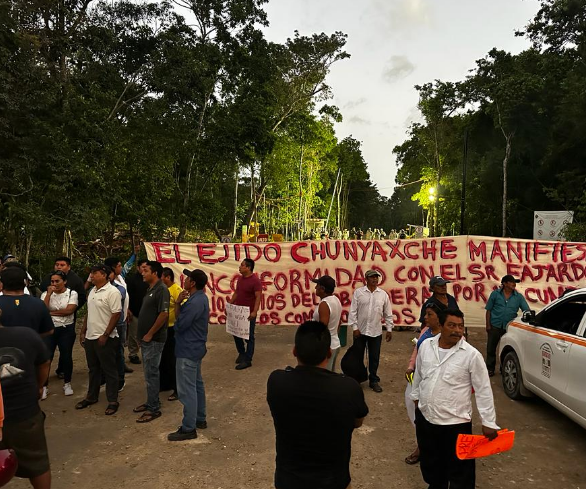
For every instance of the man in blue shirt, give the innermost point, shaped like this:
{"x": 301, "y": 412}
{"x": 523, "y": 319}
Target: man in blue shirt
{"x": 502, "y": 307}
{"x": 191, "y": 335}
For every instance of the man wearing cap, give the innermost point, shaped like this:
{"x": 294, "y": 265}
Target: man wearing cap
{"x": 329, "y": 312}
{"x": 99, "y": 337}
{"x": 439, "y": 296}
{"x": 191, "y": 334}
{"x": 502, "y": 307}
{"x": 369, "y": 305}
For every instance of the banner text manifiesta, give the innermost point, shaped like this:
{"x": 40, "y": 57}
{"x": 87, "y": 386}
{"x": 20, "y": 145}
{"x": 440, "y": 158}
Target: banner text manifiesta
{"x": 473, "y": 264}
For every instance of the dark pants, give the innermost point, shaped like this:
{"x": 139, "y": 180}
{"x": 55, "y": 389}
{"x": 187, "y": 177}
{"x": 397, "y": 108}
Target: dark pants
{"x": 63, "y": 338}
{"x": 373, "y": 344}
{"x": 494, "y": 336}
{"x": 121, "y": 328}
{"x": 249, "y": 351}
{"x": 440, "y": 467}
{"x": 102, "y": 359}
{"x": 167, "y": 366}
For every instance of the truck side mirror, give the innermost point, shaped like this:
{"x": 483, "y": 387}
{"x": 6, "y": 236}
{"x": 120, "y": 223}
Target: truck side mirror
{"x": 529, "y": 317}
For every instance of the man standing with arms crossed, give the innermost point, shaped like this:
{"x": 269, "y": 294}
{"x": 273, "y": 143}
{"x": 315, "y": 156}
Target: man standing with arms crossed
{"x": 447, "y": 370}
{"x": 369, "y": 305}
{"x": 191, "y": 329}
{"x": 248, "y": 293}
{"x": 502, "y": 307}
{"x": 152, "y": 331}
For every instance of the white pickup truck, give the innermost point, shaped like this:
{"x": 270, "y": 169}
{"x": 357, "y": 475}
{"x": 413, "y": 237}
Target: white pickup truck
{"x": 545, "y": 354}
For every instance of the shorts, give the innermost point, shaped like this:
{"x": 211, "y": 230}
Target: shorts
{"x": 27, "y": 439}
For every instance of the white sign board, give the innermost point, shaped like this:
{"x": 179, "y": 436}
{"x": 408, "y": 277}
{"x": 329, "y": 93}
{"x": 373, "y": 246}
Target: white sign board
{"x": 237, "y": 322}
{"x": 548, "y": 224}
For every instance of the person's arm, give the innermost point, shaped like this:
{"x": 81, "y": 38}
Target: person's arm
{"x": 42, "y": 375}
{"x": 115, "y": 303}
{"x": 487, "y": 319}
{"x": 257, "y": 298}
{"x": 88, "y": 283}
{"x": 353, "y": 315}
{"x": 179, "y": 302}
{"x": 324, "y": 312}
{"x": 388, "y": 316}
{"x": 417, "y": 376}
{"x": 128, "y": 265}
{"x": 524, "y": 305}
{"x": 46, "y": 297}
{"x": 46, "y": 327}
{"x": 411, "y": 365}
{"x": 162, "y": 318}
{"x": 68, "y": 311}
{"x": 489, "y": 306}
{"x": 483, "y": 395}
{"x": 83, "y": 331}
{"x": 159, "y": 323}
{"x": 111, "y": 325}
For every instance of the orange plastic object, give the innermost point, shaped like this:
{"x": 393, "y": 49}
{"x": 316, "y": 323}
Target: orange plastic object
{"x": 476, "y": 446}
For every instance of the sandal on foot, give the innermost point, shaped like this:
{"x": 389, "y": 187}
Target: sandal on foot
{"x": 140, "y": 409}
{"x": 112, "y": 408}
{"x": 147, "y": 417}
{"x": 83, "y": 404}
{"x": 412, "y": 459}
{"x": 173, "y": 397}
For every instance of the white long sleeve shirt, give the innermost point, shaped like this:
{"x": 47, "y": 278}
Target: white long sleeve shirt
{"x": 444, "y": 387}
{"x": 367, "y": 310}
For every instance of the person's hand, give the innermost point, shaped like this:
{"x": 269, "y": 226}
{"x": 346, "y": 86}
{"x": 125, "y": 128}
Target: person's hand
{"x": 408, "y": 374}
{"x": 488, "y": 328}
{"x": 184, "y": 294}
{"x": 490, "y": 433}
{"x": 81, "y": 339}
{"x": 252, "y": 316}
{"x": 356, "y": 333}
{"x": 389, "y": 336}
{"x": 147, "y": 338}
{"x": 50, "y": 289}
{"x": 102, "y": 340}
{"x": 129, "y": 316}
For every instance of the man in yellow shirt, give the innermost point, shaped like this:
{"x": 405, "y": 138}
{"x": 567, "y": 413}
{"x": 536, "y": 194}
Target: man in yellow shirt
{"x": 167, "y": 365}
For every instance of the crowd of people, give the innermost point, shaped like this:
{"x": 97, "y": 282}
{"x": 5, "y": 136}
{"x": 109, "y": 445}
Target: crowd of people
{"x": 147, "y": 316}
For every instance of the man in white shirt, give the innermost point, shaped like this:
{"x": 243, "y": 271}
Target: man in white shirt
{"x": 369, "y": 305}
{"x": 100, "y": 339}
{"x": 447, "y": 370}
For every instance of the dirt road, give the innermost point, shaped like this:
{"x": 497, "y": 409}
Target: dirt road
{"x": 90, "y": 450}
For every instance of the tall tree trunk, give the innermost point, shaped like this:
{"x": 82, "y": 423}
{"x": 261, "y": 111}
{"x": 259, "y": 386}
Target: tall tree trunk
{"x": 509, "y": 140}
{"x": 236, "y": 178}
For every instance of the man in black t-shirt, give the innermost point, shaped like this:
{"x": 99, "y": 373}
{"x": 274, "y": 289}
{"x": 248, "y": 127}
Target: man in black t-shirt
{"x": 315, "y": 412}
{"x": 137, "y": 288}
{"x": 20, "y": 309}
{"x": 152, "y": 333}
{"x": 24, "y": 423}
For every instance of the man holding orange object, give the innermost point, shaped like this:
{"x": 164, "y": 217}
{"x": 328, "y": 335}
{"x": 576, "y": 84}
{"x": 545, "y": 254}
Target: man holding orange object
{"x": 447, "y": 370}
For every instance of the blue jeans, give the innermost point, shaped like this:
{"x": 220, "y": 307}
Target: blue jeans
{"x": 191, "y": 392}
{"x": 120, "y": 353}
{"x": 249, "y": 351}
{"x": 151, "y": 358}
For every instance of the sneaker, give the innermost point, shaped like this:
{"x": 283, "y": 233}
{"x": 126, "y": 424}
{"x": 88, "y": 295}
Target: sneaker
{"x": 121, "y": 385}
{"x": 375, "y": 386}
{"x": 45, "y": 393}
{"x": 181, "y": 435}
{"x": 134, "y": 359}
{"x": 67, "y": 390}
{"x": 243, "y": 365}
{"x": 201, "y": 425}
{"x": 240, "y": 358}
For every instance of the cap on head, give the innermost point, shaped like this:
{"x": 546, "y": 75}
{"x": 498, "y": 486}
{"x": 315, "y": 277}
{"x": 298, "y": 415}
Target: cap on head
{"x": 8, "y": 257}
{"x": 327, "y": 282}
{"x": 509, "y": 278}
{"x": 197, "y": 276}
{"x": 372, "y": 273}
{"x": 438, "y": 280}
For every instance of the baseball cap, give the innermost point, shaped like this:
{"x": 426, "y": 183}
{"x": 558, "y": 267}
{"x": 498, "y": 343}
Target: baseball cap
{"x": 100, "y": 267}
{"x": 8, "y": 257}
{"x": 372, "y": 273}
{"x": 438, "y": 280}
{"x": 509, "y": 278}
{"x": 326, "y": 282}
{"x": 197, "y": 275}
